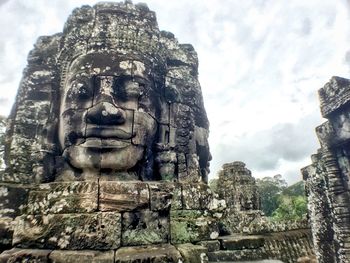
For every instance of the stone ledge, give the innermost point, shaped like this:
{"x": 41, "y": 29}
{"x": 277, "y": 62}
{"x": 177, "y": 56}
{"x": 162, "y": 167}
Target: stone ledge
{"x": 235, "y": 242}
{"x": 25, "y": 255}
{"x": 164, "y": 253}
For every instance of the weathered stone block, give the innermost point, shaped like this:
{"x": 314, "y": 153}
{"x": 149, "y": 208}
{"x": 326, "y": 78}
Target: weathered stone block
{"x": 211, "y": 245}
{"x": 13, "y": 198}
{"x": 237, "y": 255}
{"x": 144, "y": 227}
{"x": 241, "y": 242}
{"x": 63, "y": 198}
{"x": 123, "y": 196}
{"x": 69, "y": 256}
{"x": 196, "y": 196}
{"x": 69, "y": 231}
{"x": 165, "y": 195}
{"x": 163, "y": 253}
{"x": 25, "y": 255}
{"x": 192, "y": 226}
{"x": 193, "y": 253}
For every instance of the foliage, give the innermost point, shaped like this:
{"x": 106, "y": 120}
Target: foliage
{"x": 296, "y": 189}
{"x": 290, "y": 208}
{"x": 269, "y": 189}
{"x": 281, "y": 202}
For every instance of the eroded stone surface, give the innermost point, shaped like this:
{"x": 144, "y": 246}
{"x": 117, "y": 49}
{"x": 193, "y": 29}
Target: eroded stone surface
{"x": 71, "y": 256}
{"x": 165, "y": 196}
{"x": 196, "y": 196}
{"x": 235, "y": 242}
{"x": 192, "y": 225}
{"x": 211, "y": 245}
{"x": 193, "y": 253}
{"x": 63, "y": 198}
{"x": 144, "y": 227}
{"x": 327, "y": 178}
{"x": 69, "y": 231}
{"x": 123, "y": 196}
{"x": 25, "y": 255}
{"x": 164, "y": 253}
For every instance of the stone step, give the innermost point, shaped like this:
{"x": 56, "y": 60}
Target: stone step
{"x": 238, "y": 242}
{"x": 255, "y": 261}
{"x": 234, "y": 255}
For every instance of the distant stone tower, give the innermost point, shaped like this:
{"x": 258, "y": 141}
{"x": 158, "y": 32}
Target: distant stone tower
{"x": 237, "y": 186}
{"x": 327, "y": 178}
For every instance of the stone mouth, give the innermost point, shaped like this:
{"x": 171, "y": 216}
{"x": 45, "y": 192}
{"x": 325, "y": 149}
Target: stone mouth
{"x": 100, "y": 143}
{"x": 108, "y": 133}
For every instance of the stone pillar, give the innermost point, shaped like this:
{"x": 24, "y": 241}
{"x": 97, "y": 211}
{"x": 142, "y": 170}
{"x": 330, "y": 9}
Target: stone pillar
{"x": 328, "y": 177}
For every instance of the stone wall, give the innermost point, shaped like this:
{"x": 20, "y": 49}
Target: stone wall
{"x": 327, "y": 178}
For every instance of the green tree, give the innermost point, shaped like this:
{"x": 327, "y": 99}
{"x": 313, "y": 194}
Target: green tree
{"x": 290, "y": 208}
{"x": 297, "y": 189}
{"x": 269, "y": 189}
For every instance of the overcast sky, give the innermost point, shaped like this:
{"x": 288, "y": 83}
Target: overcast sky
{"x": 261, "y": 63}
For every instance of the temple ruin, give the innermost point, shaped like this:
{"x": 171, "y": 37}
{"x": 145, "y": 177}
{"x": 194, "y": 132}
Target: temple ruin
{"x": 107, "y": 155}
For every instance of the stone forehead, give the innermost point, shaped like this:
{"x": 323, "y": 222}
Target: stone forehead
{"x": 96, "y": 63}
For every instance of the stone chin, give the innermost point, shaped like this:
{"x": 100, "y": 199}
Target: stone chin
{"x": 96, "y": 158}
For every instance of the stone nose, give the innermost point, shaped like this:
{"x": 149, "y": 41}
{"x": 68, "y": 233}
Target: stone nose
{"x": 105, "y": 113}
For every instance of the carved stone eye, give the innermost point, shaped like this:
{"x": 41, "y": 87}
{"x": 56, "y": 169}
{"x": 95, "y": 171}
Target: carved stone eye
{"x": 127, "y": 88}
{"x": 79, "y": 91}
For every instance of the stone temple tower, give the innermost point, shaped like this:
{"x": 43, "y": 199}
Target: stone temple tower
{"x": 327, "y": 178}
{"x": 107, "y": 145}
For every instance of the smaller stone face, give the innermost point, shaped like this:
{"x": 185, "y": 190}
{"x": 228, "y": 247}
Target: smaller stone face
{"x": 237, "y": 187}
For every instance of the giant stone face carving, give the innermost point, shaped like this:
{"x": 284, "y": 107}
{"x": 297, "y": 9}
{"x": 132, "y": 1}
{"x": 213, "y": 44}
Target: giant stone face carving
{"x": 107, "y": 114}
{"x": 111, "y": 97}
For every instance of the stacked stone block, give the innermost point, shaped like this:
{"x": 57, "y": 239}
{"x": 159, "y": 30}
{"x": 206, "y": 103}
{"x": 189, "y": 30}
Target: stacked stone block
{"x": 327, "y": 178}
